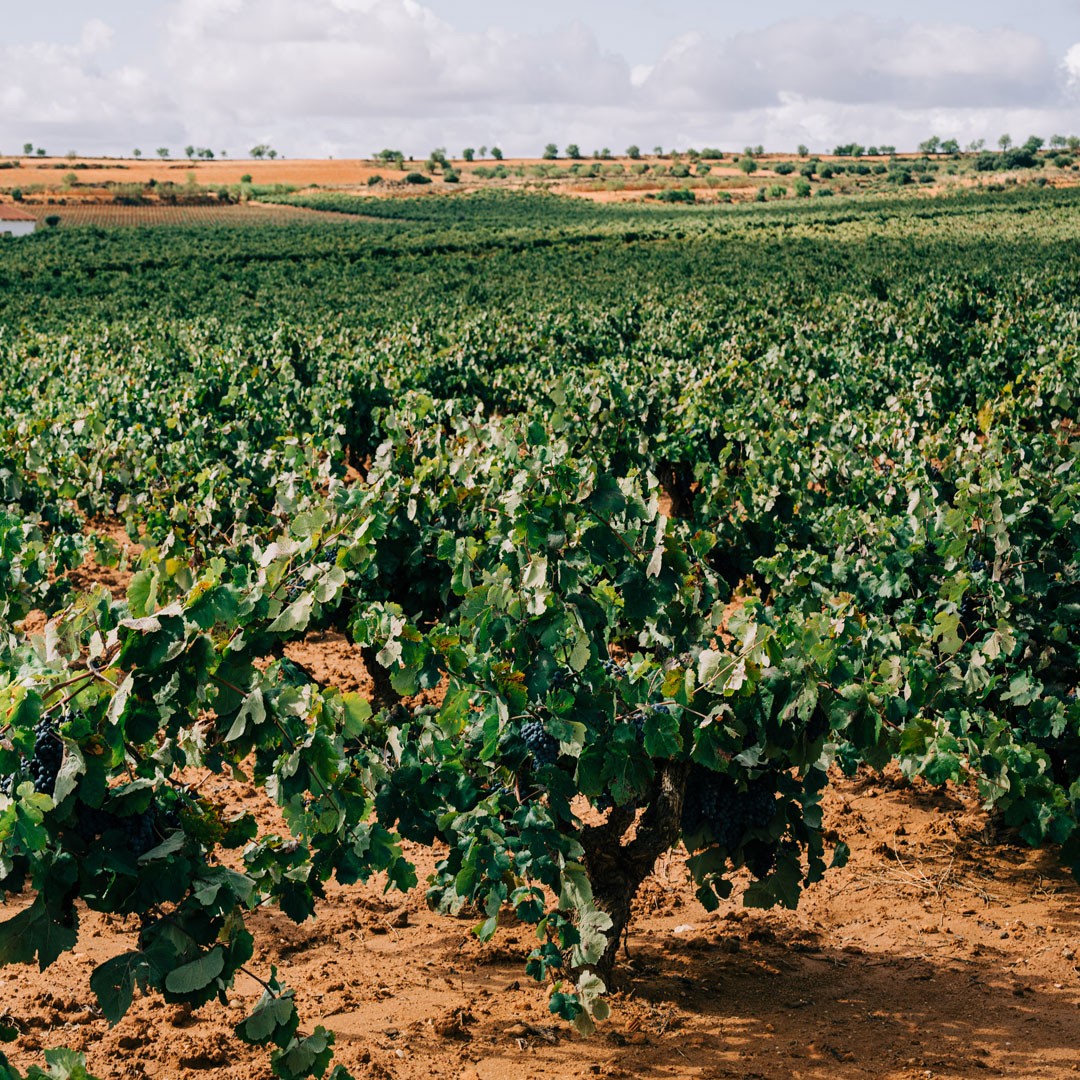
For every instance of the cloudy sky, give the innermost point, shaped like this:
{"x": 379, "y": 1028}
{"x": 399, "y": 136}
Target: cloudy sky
{"x": 347, "y": 77}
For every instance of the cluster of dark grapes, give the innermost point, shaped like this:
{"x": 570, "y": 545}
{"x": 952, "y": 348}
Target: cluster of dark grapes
{"x": 614, "y": 669}
{"x": 48, "y": 755}
{"x": 43, "y": 766}
{"x": 560, "y": 678}
{"x": 714, "y": 801}
{"x": 543, "y": 747}
{"x": 637, "y": 721}
{"x": 139, "y": 831}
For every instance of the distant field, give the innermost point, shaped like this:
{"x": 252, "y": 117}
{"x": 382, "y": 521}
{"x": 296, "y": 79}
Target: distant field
{"x": 683, "y": 177}
{"x": 109, "y": 214}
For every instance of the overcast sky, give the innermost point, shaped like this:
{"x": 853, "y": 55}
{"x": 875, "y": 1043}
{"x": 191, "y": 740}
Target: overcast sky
{"x": 348, "y": 77}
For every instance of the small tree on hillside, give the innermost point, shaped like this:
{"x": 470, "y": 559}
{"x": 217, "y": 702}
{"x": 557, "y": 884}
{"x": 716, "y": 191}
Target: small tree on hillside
{"x": 162, "y": 152}
{"x": 496, "y": 153}
{"x": 1005, "y": 141}
{"x": 189, "y": 152}
{"x": 551, "y": 152}
{"x": 803, "y": 150}
{"x": 633, "y": 152}
{"x": 931, "y": 145}
{"x": 950, "y": 146}
{"x": 28, "y": 148}
{"x": 468, "y": 153}
{"x": 573, "y": 151}
{"x": 747, "y": 164}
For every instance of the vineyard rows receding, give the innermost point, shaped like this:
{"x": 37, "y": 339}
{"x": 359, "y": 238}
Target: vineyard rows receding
{"x": 669, "y": 511}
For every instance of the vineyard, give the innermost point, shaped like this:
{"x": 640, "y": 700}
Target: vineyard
{"x": 109, "y": 215}
{"x": 638, "y": 528}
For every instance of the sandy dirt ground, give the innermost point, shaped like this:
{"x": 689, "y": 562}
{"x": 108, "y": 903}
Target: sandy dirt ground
{"x": 943, "y": 949}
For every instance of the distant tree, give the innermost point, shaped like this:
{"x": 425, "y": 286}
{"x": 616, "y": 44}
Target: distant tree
{"x": 189, "y": 151}
{"x": 496, "y": 153}
{"x": 551, "y": 152}
{"x": 633, "y": 152}
{"x": 1058, "y": 141}
{"x": 468, "y": 153}
{"x": 658, "y": 151}
{"x": 1033, "y": 144}
{"x": 975, "y": 146}
{"x": 887, "y": 150}
{"x": 950, "y": 146}
{"x": 1073, "y": 142}
{"x": 259, "y": 151}
{"x": 1005, "y": 142}
{"x": 747, "y": 164}
{"x": 759, "y": 150}
{"x": 162, "y": 152}
{"x": 40, "y": 151}
{"x": 28, "y": 148}
{"x": 205, "y": 153}
{"x": 483, "y": 151}
{"x": 872, "y": 151}
{"x": 803, "y": 150}
{"x": 573, "y": 151}
{"x": 931, "y": 145}
{"x": 605, "y": 154}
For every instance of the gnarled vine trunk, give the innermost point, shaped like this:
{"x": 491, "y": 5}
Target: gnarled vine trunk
{"x": 617, "y": 869}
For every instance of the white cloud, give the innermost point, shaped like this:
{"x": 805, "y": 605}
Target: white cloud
{"x": 345, "y": 77}
{"x": 70, "y": 94}
{"x": 857, "y": 59}
{"x": 1071, "y": 65}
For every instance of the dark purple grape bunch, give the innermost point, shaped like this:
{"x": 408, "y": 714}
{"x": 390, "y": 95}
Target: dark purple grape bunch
{"x": 44, "y": 766}
{"x": 716, "y": 803}
{"x": 613, "y": 669}
{"x": 543, "y": 748}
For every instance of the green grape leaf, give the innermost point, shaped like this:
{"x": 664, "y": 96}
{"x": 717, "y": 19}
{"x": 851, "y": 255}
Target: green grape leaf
{"x": 197, "y": 974}
{"x": 114, "y": 982}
